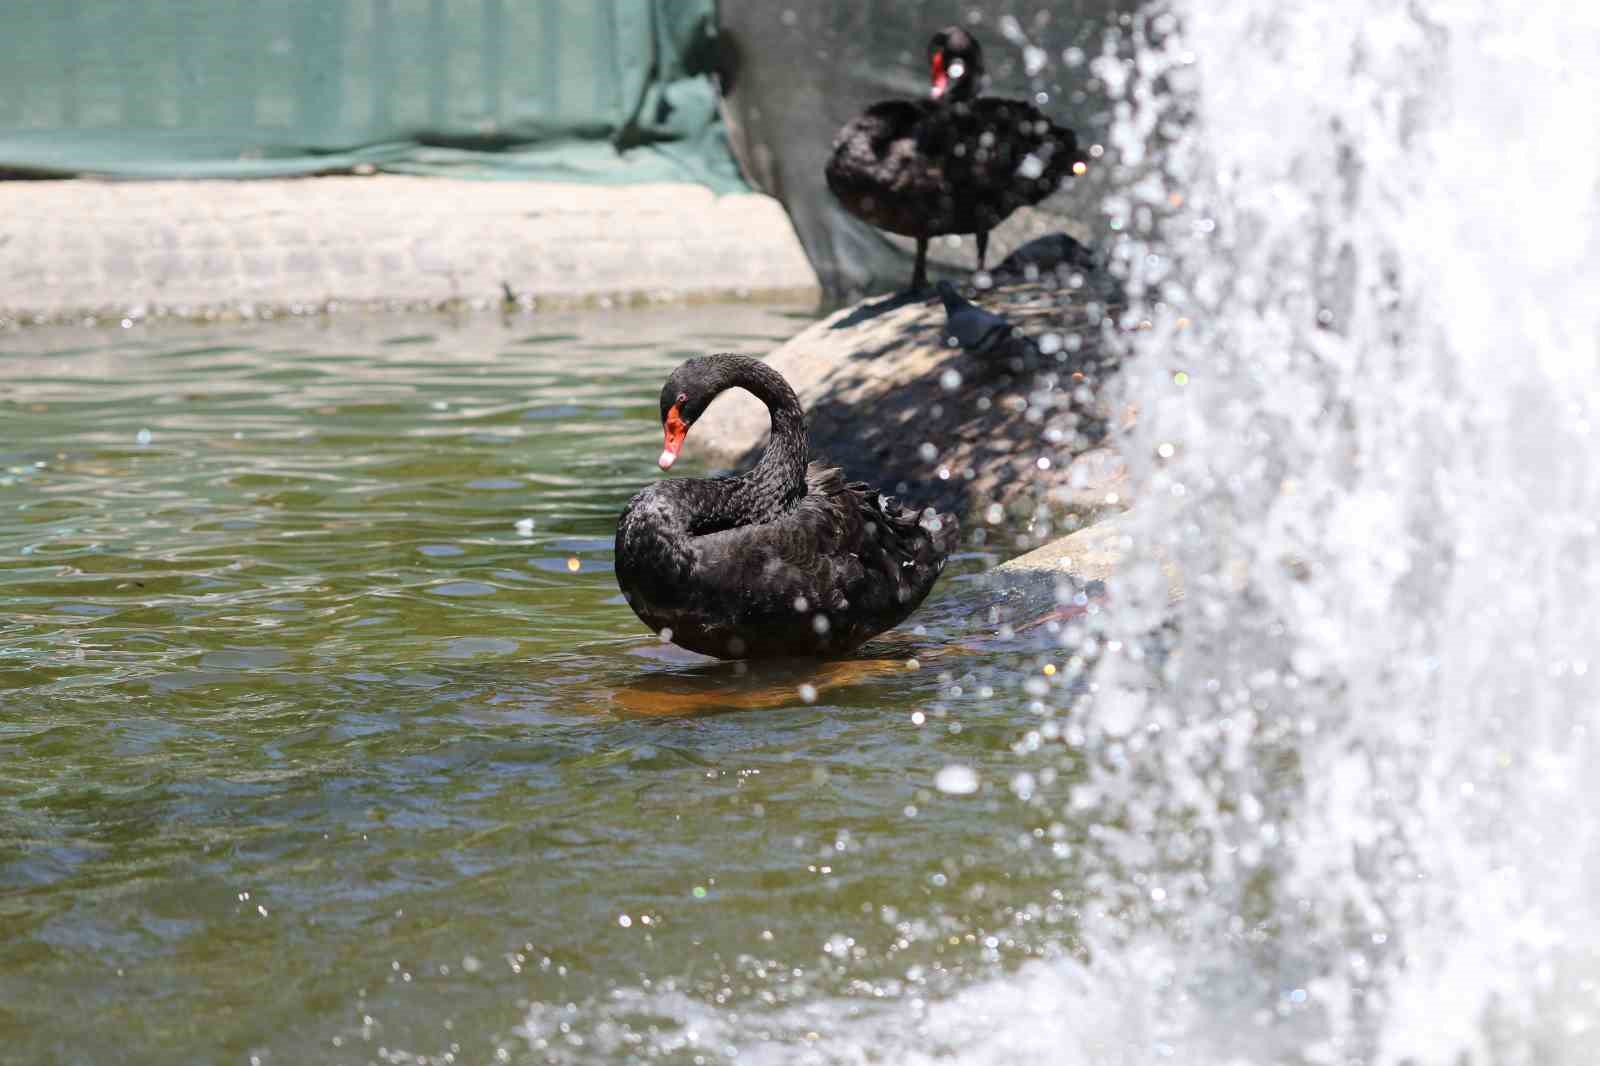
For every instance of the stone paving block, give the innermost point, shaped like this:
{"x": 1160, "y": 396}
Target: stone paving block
{"x": 75, "y": 248}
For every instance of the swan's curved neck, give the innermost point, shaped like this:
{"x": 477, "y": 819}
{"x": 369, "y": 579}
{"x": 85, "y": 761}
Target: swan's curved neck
{"x": 960, "y": 90}
{"x": 783, "y": 465}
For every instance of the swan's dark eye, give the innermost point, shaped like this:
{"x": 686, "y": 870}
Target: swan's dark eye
{"x": 682, "y": 397}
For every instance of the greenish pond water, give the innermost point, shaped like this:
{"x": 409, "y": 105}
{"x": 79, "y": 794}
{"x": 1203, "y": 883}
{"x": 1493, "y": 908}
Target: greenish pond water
{"x": 325, "y": 735}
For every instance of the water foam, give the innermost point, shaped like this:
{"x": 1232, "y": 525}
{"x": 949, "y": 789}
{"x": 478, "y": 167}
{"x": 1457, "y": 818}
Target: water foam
{"x": 1365, "y": 236}
{"x": 1346, "y": 812}
{"x": 1344, "y": 808}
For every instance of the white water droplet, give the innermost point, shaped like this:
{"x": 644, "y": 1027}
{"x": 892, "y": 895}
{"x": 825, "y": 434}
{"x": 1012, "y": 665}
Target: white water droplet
{"x": 144, "y": 436}
{"x": 808, "y": 694}
{"x": 956, "y": 780}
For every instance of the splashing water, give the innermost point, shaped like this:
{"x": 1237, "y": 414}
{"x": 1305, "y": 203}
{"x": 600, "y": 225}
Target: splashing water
{"x": 1336, "y": 806}
{"x": 1340, "y": 802}
{"x": 1360, "y": 790}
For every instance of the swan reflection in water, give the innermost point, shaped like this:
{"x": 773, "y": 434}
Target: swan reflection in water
{"x": 696, "y": 685}
{"x": 709, "y": 686}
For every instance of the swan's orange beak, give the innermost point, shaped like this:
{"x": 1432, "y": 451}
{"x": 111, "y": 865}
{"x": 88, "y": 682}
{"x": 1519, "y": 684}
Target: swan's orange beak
{"x": 676, "y": 429}
{"x": 938, "y": 75}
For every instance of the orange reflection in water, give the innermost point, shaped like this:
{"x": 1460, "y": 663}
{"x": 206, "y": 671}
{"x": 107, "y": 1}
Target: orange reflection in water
{"x": 707, "y": 686}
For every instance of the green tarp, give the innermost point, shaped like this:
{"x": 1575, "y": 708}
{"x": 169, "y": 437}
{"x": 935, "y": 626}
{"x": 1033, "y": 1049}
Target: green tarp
{"x": 595, "y": 90}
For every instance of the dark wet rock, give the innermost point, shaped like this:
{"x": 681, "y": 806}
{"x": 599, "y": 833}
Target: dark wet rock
{"x": 897, "y": 396}
{"x": 1060, "y": 257}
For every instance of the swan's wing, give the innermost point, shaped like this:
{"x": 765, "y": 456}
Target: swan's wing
{"x": 878, "y": 125}
{"x": 1023, "y": 161}
{"x": 842, "y": 549}
{"x": 879, "y": 160}
{"x": 882, "y": 148}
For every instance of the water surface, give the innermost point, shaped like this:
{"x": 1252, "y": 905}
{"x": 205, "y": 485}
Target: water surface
{"x": 327, "y": 737}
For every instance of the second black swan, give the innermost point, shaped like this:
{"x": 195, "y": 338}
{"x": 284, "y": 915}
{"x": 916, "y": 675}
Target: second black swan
{"x": 954, "y": 163}
{"x": 787, "y": 559}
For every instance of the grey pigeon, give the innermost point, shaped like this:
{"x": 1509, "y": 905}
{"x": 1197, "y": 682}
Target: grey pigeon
{"x": 974, "y": 329}
{"x": 997, "y": 345}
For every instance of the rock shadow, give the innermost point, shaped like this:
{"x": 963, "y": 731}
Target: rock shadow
{"x": 913, "y": 413}
{"x": 866, "y": 312}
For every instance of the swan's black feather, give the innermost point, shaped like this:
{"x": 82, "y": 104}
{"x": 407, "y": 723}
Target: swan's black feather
{"x": 959, "y": 164}
{"x": 827, "y": 567}
{"x": 920, "y": 169}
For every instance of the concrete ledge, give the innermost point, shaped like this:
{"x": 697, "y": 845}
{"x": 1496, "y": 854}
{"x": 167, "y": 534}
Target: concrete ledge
{"x": 1091, "y": 554}
{"x": 71, "y": 250}
{"x": 1084, "y": 560}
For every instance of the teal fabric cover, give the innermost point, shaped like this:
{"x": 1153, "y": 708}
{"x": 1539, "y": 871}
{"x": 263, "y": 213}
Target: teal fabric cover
{"x": 588, "y": 90}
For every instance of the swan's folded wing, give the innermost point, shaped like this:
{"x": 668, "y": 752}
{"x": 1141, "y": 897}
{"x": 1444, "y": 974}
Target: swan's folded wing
{"x": 841, "y": 550}
{"x": 864, "y": 137}
{"x": 883, "y": 172}
{"x": 1023, "y": 158}
{"x": 804, "y": 557}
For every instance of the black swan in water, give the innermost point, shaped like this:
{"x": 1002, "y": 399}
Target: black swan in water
{"x": 954, "y": 163}
{"x": 787, "y": 559}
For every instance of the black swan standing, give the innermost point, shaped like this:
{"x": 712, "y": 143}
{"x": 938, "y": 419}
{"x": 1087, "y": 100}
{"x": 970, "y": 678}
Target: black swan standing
{"x": 787, "y": 559}
{"x": 954, "y": 163}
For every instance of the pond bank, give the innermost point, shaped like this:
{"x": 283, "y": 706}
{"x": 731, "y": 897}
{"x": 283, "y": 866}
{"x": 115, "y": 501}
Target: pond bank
{"x": 81, "y": 250}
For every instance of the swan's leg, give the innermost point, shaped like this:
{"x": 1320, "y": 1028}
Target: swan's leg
{"x": 919, "y": 273}
{"x": 983, "y": 246}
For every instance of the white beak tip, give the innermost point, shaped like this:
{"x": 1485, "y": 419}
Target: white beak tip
{"x": 666, "y": 460}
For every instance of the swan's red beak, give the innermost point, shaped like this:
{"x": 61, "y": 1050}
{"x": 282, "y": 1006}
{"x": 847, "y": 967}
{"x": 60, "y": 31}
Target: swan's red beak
{"x": 675, "y": 429}
{"x": 939, "y": 77}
